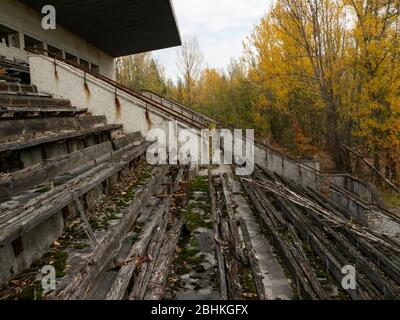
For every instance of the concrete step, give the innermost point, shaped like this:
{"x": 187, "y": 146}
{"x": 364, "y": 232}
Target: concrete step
{"x": 14, "y": 113}
{"x": 40, "y": 220}
{"x": 13, "y": 130}
{"x": 18, "y": 100}
{"x": 16, "y": 182}
{"x": 50, "y": 137}
{"x": 17, "y": 88}
{"x": 122, "y": 141}
{"x": 13, "y": 183}
{"x": 43, "y": 112}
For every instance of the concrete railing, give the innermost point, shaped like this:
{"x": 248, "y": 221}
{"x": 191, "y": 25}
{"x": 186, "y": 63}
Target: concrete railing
{"x": 274, "y": 161}
{"x": 359, "y": 188}
{"x": 306, "y": 175}
{"x": 369, "y": 215}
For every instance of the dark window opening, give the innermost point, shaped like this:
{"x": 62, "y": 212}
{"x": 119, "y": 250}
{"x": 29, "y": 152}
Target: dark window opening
{"x": 54, "y": 52}
{"x": 33, "y": 43}
{"x": 18, "y": 247}
{"x": 84, "y": 64}
{"x": 10, "y": 162}
{"x": 9, "y": 37}
{"x": 95, "y": 68}
{"x": 71, "y": 57}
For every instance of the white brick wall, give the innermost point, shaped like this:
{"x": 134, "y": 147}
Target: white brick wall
{"x": 21, "y": 18}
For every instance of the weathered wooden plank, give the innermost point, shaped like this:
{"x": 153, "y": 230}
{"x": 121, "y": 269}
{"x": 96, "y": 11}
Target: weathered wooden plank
{"x": 122, "y": 141}
{"x": 374, "y": 255}
{"x": 312, "y": 222}
{"x": 111, "y": 244}
{"x": 125, "y": 274}
{"x": 352, "y": 253}
{"x": 325, "y": 250}
{"x": 304, "y": 288}
{"x": 254, "y": 264}
{"x": 18, "y": 181}
{"x": 14, "y": 109}
{"x": 157, "y": 283}
{"x": 233, "y": 222}
{"x": 12, "y": 129}
{"x": 327, "y": 253}
{"x": 41, "y": 208}
{"x": 230, "y": 247}
{"x": 217, "y": 239}
{"x": 31, "y": 142}
{"x": 32, "y": 101}
{"x": 295, "y": 247}
{"x": 301, "y": 257}
{"x": 8, "y": 88}
{"x": 142, "y": 278}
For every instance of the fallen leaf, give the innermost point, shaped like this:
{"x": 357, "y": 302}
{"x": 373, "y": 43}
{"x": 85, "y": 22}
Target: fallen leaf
{"x": 17, "y": 283}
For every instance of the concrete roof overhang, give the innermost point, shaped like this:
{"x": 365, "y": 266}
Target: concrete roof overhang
{"x": 118, "y": 27}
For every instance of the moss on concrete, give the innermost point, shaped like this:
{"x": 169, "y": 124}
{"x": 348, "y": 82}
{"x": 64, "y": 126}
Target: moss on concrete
{"x": 199, "y": 184}
{"x": 391, "y": 199}
{"x": 81, "y": 246}
{"x": 249, "y": 288}
{"x": 60, "y": 263}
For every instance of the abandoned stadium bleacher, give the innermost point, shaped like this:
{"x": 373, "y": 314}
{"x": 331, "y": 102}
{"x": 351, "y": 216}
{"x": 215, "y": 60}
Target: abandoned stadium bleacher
{"x": 77, "y": 194}
{"x": 49, "y": 152}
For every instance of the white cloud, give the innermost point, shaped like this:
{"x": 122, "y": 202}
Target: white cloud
{"x": 219, "y": 25}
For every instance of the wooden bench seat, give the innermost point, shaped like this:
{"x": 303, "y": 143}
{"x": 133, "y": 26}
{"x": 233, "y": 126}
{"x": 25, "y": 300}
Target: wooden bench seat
{"x": 32, "y": 101}
{"x": 22, "y": 180}
{"x": 122, "y": 141}
{"x": 25, "y": 128}
{"x": 24, "y": 218}
{"x": 49, "y": 137}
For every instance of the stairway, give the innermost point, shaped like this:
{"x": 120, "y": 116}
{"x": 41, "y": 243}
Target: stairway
{"x": 48, "y": 150}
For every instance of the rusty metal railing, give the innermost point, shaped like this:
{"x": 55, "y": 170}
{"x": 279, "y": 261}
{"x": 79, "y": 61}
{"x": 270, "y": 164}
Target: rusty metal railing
{"x": 181, "y": 107}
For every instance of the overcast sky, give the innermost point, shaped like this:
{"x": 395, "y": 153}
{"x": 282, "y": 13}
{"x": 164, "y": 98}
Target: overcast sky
{"x": 220, "y": 27}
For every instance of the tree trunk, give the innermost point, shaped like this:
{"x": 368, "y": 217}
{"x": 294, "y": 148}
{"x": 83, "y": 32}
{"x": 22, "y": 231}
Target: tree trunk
{"x": 334, "y": 141}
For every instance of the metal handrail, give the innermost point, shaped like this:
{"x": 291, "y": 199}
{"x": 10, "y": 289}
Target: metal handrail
{"x": 181, "y": 106}
{"x": 187, "y": 120}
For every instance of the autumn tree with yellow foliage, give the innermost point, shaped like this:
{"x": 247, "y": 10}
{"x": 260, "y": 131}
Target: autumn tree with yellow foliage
{"x": 141, "y": 71}
{"x": 332, "y": 68}
{"x": 376, "y": 60}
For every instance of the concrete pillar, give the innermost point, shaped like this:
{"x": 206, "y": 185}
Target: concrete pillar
{"x": 21, "y": 40}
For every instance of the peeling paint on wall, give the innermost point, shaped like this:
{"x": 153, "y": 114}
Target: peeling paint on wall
{"x": 87, "y": 92}
{"x": 117, "y": 108}
{"x": 148, "y": 120}
{"x": 55, "y": 71}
